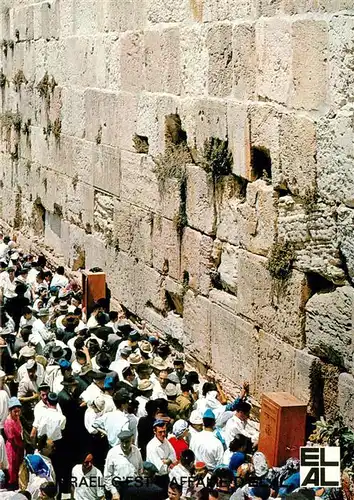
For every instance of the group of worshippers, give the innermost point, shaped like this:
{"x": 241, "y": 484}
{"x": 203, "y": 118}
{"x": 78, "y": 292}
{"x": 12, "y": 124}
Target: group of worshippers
{"x": 93, "y": 406}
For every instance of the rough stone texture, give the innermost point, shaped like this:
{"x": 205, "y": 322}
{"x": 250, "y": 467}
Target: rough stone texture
{"x": 346, "y": 397}
{"x": 274, "y": 79}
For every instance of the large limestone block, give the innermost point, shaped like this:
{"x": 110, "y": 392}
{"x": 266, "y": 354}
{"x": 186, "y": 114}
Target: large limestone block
{"x": 227, "y": 198}
{"x": 346, "y": 398}
{"x": 298, "y": 149}
{"x": 121, "y": 272}
{"x": 245, "y": 60}
{"x": 219, "y": 43}
{"x": 214, "y": 10}
{"x": 162, "y": 61}
{"x": 275, "y": 365}
{"x": 104, "y": 215}
{"x": 73, "y": 112}
{"x": 341, "y": 45}
{"x": 125, "y": 15}
{"x": 166, "y": 247}
{"x": 170, "y": 199}
{"x": 194, "y": 60}
{"x": 106, "y": 169}
{"x": 224, "y": 300}
{"x": 345, "y": 237}
{"x": 132, "y": 62}
{"x": 274, "y": 54}
{"x": 239, "y": 135}
{"x": 233, "y": 346}
{"x": 74, "y": 66}
{"x": 329, "y": 326}
{"x": 304, "y": 367}
{"x": 273, "y": 308}
{"x": 228, "y": 268}
{"x": 310, "y": 73}
{"x": 126, "y": 119}
{"x": 138, "y": 181}
{"x": 196, "y": 324}
{"x": 196, "y": 259}
{"x": 335, "y": 177}
{"x": 200, "y": 200}
{"x": 167, "y": 11}
{"x": 148, "y": 289}
{"x": 85, "y": 16}
{"x": 257, "y": 218}
{"x": 132, "y": 231}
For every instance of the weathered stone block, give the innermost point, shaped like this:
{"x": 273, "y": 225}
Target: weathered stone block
{"x": 275, "y": 365}
{"x": 132, "y": 62}
{"x": 106, "y": 169}
{"x": 194, "y": 60}
{"x": 138, "y": 181}
{"x": 238, "y": 363}
{"x": 200, "y": 200}
{"x": 162, "y": 61}
{"x": 227, "y": 197}
{"x": 239, "y": 135}
{"x": 196, "y": 259}
{"x": 345, "y": 237}
{"x": 219, "y": 43}
{"x": 303, "y": 375}
{"x": 228, "y": 268}
{"x": 85, "y": 17}
{"x": 326, "y": 315}
{"x": 274, "y": 53}
{"x": 166, "y": 247}
{"x": 127, "y": 15}
{"x": 148, "y": 289}
{"x": 214, "y": 10}
{"x": 298, "y": 149}
{"x": 224, "y": 300}
{"x": 346, "y": 398}
{"x": 309, "y": 73}
{"x": 244, "y": 61}
{"x": 170, "y": 199}
{"x": 196, "y": 324}
{"x": 73, "y": 112}
{"x": 257, "y": 218}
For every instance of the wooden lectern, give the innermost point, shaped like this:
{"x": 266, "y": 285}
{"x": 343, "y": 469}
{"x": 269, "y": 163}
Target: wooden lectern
{"x": 93, "y": 289}
{"x": 282, "y": 427}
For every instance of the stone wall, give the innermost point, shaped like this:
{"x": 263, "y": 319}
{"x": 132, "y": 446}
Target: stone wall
{"x": 251, "y": 270}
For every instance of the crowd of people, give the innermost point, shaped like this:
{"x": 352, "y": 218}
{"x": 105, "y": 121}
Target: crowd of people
{"x": 93, "y": 406}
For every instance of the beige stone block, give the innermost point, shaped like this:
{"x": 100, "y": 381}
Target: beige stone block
{"x": 75, "y": 70}
{"x": 23, "y": 21}
{"x": 268, "y": 8}
{"x": 167, "y": 11}
{"x": 298, "y": 149}
{"x": 148, "y": 288}
{"x": 304, "y": 367}
{"x": 219, "y": 43}
{"x": 101, "y": 113}
{"x": 106, "y": 169}
{"x": 166, "y": 247}
{"x": 194, "y": 60}
{"x": 239, "y": 134}
{"x": 103, "y": 216}
{"x": 257, "y": 218}
{"x": 132, "y": 62}
{"x": 66, "y": 20}
{"x": 228, "y": 268}
{"x": 85, "y": 17}
{"x": 275, "y": 365}
{"x": 326, "y": 314}
{"x": 274, "y": 54}
{"x": 244, "y": 61}
{"x": 121, "y": 274}
{"x": 196, "y": 259}
{"x": 170, "y": 199}
{"x": 228, "y": 197}
{"x": 310, "y": 73}
{"x": 238, "y": 363}
{"x": 127, "y": 15}
{"x": 162, "y": 61}
{"x": 224, "y": 300}
{"x": 197, "y": 326}
{"x": 79, "y": 204}
{"x": 345, "y": 237}
{"x": 346, "y": 398}
{"x": 133, "y": 231}
{"x": 138, "y": 181}
{"x": 126, "y": 119}
{"x": 200, "y": 200}
{"x": 214, "y": 10}
{"x": 73, "y": 112}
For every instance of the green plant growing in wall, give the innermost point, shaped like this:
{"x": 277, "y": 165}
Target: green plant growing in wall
{"x": 17, "y": 35}
{"x": 99, "y": 135}
{"x": 75, "y": 181}
{"x": 26, "y": 129}
{"x": 4, "y": 46}
{"x": 11, "y": 44}
{"x": 141, "y": 144}
{"x": 15, "y": 154}
{"x": 17, "y": 121}
{"x": 47, "y": 130}
{"x": 44, "y": 88}
{"x": 280, "y": 260}
{"x": 3, "y": 79}
{"x": 6, "y": 120}
{"x": 216, "y": 157}
{"x": 19, "y": 79}
{"x": 172, "y": 163}
{"x": 56, "y": 129}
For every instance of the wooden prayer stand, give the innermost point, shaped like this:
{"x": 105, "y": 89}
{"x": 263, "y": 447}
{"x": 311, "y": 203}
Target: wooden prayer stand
{"x": 93, "y": 289}
{"x": 282, "y": 427}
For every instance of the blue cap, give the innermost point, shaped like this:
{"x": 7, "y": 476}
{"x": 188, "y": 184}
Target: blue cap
{"x": 159, "y": 423}
{"x": 154, "y": 340}
{"x": 209, "y": 414}
{"x": 108, "y": 383}
{"x": 14, "y": 403}
{"x": 63, "y": 363}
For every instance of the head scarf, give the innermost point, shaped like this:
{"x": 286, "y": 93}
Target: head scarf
{"x": 179, "y": 428}
{"x": 37, "y": 465}
{"x": 260, "y": 464}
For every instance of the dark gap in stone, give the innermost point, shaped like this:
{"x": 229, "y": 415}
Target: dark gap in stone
{"x": 261, "y": 163}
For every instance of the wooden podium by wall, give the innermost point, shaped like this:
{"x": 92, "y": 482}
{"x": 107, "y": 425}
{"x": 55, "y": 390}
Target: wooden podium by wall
{"x": 282, "y": 427}
{"x": 93, "y": 289}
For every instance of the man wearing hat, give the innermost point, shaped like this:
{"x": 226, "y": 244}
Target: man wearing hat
{"x": 95, "y": 389}
{"x": 119, "y": 364}
{"x": 238, "y": 424}
{"x": 195, "y": 423}
{"x": 160, "y": 385}
{"x": 42, "y": 404}
{"x": 40, "y": 333}
{"x": 132, "y": 342}
{"x": 113, "y": 423}
{"x": 87, "y": 480}
{"x": 129, "y": 382}
{"x": 52, "y": 370}
{"x": 50, "y": 422}
{"x": 173, "y": 406}
{"x": 161, "y": 453}
{"x": 144, "y": 389}
{"x": 127, "y": 449}
{"x": 63, "y": 309}
{"x": 206, "y": 446}
{"x": 27, "y": 353}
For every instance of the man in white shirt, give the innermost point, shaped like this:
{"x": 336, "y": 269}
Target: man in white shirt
{"x": 127, "y": 449}
{"x": 59, "y": 279}
{"x": 114, "y": 422}
{"x": 181, "y": 473}
{"x": 40, "y": 334}
{"x": 29, "y": 353}
{"x": 145, "y": 388}
{"x": 160, "y": 386}
{"x": 238, "y": 424}
{"x": 160, "y": 452}
{"x": 42, "y": 404}
{"x": 121, "y": 363}
{"x": 50, "y": 422}
{"x": 87, "y": 481}
{"x": 205, "y": 445}
{"x": 95, "y": 389}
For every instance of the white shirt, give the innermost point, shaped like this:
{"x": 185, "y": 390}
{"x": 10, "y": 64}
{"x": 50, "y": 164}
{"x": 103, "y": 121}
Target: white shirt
{"x": 207, "y": 448}
{"x": 59, "y": 280}
{"x": 26, "y": 322}
{"x": 112, "y": 424}
{"x": 23, "y": 373}
{"x": 92, "y": 322}
{"x": 4, "y": 250}
{"x": 40, "y": 328}
{"x": 113, "y": 325}
{"x": 4, "y": 407}
{"x": 91, "y": 393}
{"x": 118, "y": 366}
{"x": 134, "y": 458}
{"x": 51, "y": 373}
{"x": 51, "y": 423}
{"x": 158, "y": 392}
{"x": 236, "y": 426}
{"x": 89, "y": 486}
{"x": 117, "y": 466}
{"x": 3, "y": 454}
{"x": 40, "y": 407}
{"x": 9, "y": 287}
{"x": 157, "y": 451}
{"x": 31, "y": 277}
{"x": 142, "y": 400}
{"x": 181, "y": 476}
